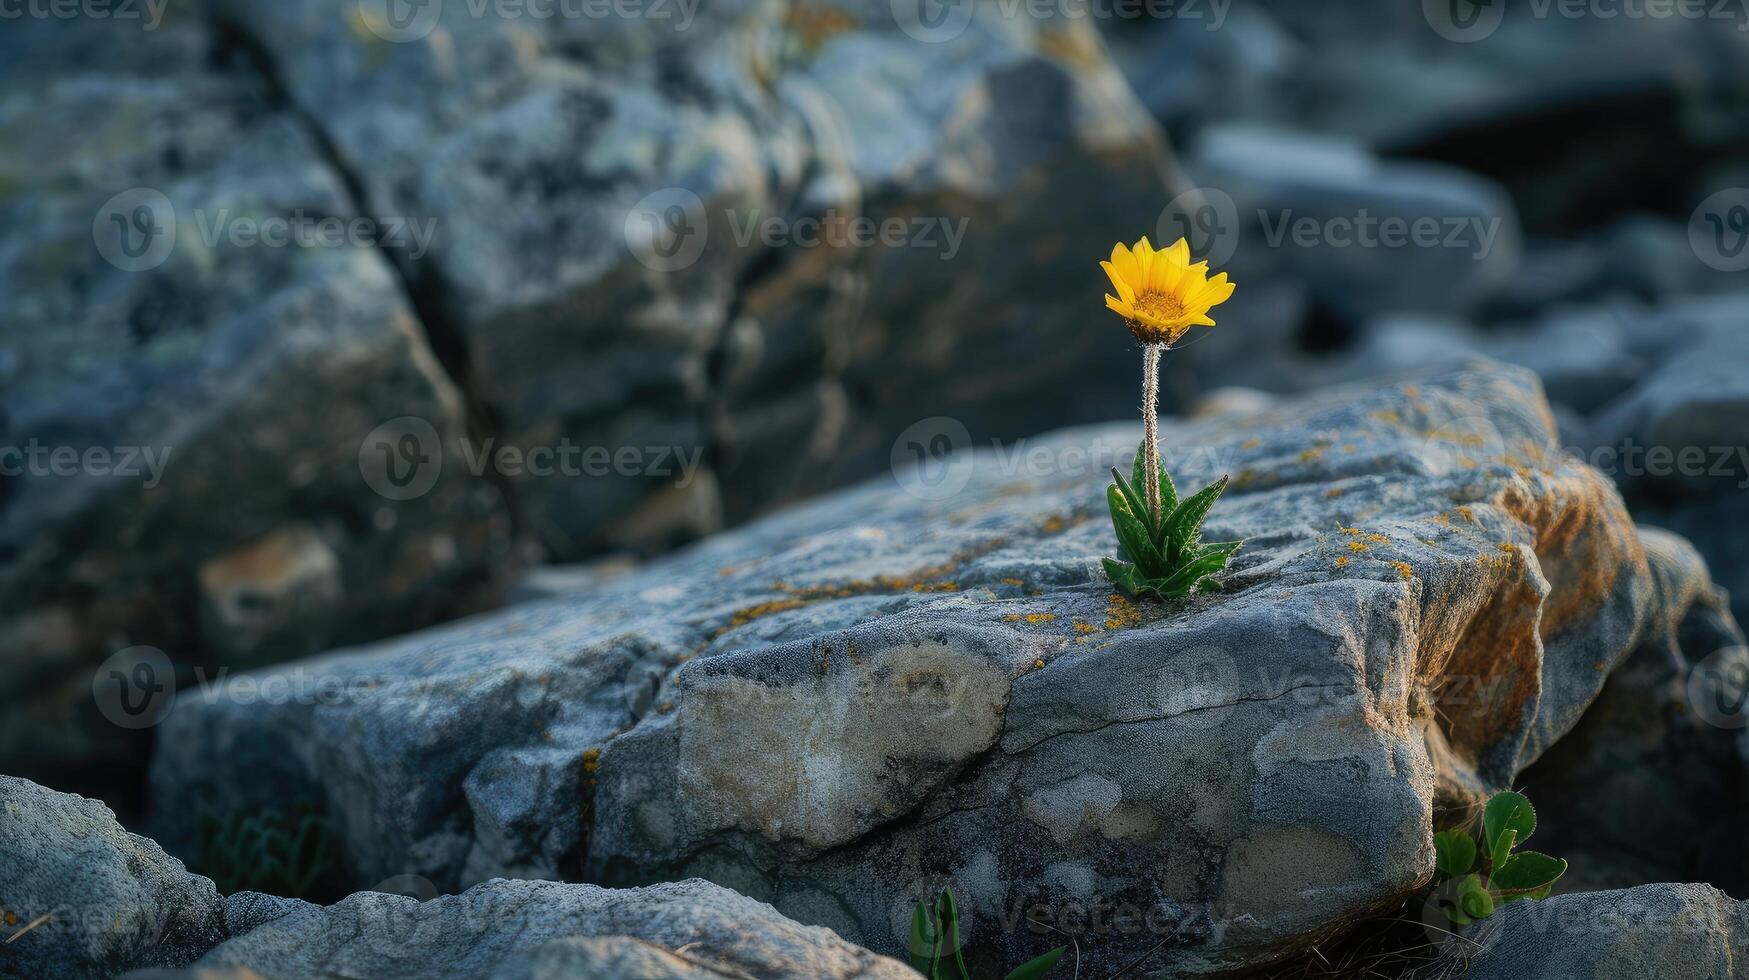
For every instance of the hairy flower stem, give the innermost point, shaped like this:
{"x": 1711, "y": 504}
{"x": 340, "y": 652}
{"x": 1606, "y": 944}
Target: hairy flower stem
{"x": 1151, "y": 425}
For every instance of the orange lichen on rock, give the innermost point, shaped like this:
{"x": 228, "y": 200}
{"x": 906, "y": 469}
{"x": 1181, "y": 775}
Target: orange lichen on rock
{"x": 1121, "y": 612}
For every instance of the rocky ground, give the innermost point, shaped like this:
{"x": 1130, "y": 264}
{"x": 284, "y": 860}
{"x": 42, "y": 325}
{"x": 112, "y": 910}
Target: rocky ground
{"x": 840, "y": 708}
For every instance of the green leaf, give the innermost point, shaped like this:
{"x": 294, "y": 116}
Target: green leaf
{"x": 1224, "y": 548}
{"x": 1137, "y": 501}
{"x": 1507, "y": 811}
{"x": 922, "y": 941}
{"x": 1132, "y": 534}
{"x": 1168, "y": 490}
{"x": 1526, "y": 872}
{"x": 1036, "y": 967}
{"x": 1502, "y": 852}
{"x": 1455, "y": 852}
{"x": 1189, "y": 575}
{"x": 1185, "y": 523}
{"x": 1122, "y": 575}
{"x": 1473, "y": 899}
{"x": 950, "y": 930}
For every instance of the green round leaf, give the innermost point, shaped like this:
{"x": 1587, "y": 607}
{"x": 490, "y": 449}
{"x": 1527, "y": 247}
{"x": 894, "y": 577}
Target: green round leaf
{"x": 1507, "y": 811}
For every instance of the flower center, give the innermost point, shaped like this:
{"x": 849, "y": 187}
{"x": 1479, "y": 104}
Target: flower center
{"x": 1160, "y": 306}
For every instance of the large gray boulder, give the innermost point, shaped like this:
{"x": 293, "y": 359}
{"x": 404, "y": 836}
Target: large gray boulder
{"x": 654, "y": 228}
{"x": 183, "y": 428}
{"x": 841, "y": 707}
{"x": 82, "y": 898}
{"x": 1692, "y": 931}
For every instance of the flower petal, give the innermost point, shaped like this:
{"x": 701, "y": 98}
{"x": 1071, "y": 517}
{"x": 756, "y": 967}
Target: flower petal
{"x": 1180, "y": 252}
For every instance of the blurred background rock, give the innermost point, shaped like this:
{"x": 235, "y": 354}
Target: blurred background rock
{"x": 332, "y": 414}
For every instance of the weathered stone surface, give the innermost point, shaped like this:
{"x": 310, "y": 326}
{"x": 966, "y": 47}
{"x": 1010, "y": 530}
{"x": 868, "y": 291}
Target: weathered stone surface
{"x": 520, "y": 930}
{"x": 551, "y": 148}
{"x": 159, "y": 417}
{"x": 1645, "y": 787}
{"x": 846, "y": 704}
{"x": 1365, "y": 235}
{"x": 81, "y": 897}
{"x": 1685, "y": 930}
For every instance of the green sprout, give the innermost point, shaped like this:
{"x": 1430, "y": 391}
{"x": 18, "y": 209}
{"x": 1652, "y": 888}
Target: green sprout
{"x": 935, "y": 944}
{"x": 294, "y": 856}
{"x": 1159, "y": 549}
{"x": 1474, "y": 878}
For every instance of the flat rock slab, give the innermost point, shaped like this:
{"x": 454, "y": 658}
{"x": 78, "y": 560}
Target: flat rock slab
{"x": 844, "y": 706}
{"x": 528, "y": 929}
{"x": 1692, "y": 931}
{"x": 81, "y": 897}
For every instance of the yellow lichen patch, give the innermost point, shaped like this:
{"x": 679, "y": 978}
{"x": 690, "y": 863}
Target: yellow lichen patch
{"x": 818, "y": 23}
{"x": 1038, "y": 665}
{"x": 592, "y": 761}
{"x": 1082, "y": 626}
{"x": 1342, "y": 561}
{"x": 1467, "y": 514}
{"x": 744, "y": 616}
{"x": 665, "y": 707}
{"x": 1017, "y": 583}
{"x": 1403, "y": 569}
{"x": 1442, "y": 518}
{"x": 1121, "y": 613}
{"x": 1072, "y": 47}
{"x": 1312, "y": 455}
{"x": 1507, "y": 546}
{"x": 1250, "y": 444}
{"x": 930, "y": 579}
{"x": 1029, "y": 618}
{"x": 1356, "y": 547}
{"x": 1333, "y": 493}
{"x": 1378, "y": 539}
{"x": 1054, "y": 525}
{"x": 1388, "y": 415}
{"x": 1412, "y": 391}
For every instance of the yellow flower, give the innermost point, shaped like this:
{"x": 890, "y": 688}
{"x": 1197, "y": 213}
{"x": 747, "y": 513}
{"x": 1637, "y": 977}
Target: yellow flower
{"x": 1160, "y": 295}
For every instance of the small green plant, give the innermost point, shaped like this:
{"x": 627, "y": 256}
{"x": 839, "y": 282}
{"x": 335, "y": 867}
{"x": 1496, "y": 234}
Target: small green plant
{"x": 935, "y": 944}
{"x": 1472, "y": 880}
{"x": 1160, "y": 550}
{"x": 290, "y": 856}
